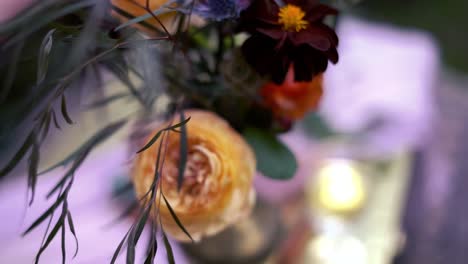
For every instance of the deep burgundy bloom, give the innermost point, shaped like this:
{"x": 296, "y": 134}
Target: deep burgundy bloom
{"x": 293, "y": 33}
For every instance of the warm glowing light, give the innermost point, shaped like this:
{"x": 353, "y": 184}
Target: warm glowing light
{"x": 339, "y": 187}
{"x": 336, "y": 249}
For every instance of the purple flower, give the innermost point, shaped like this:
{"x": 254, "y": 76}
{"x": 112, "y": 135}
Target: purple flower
{"x": 219, "y": 9}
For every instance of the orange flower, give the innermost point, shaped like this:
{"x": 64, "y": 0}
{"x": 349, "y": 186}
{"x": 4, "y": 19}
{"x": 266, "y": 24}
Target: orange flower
{"x": 217, "y": 190}
{"x": 293, "y": 99}
{"x": 123, "y": 8}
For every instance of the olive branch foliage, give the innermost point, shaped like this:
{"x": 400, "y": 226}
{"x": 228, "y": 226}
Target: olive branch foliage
{"x": 74, "y": 39}
{"x": 47, "y": 52}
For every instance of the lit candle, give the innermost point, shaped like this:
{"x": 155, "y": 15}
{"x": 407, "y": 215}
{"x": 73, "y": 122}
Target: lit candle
{"x": 338, "y": 187}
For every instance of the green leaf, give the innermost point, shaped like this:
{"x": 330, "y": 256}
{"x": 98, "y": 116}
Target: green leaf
{"x": 274, "y": 159}
{"x": 12, "y": 71}
{"x": 54, "y": 117}
{"x": 158, "y": 134}
{"x": 141, "y": 224}
{"x": 51, "y": 217}
{"x": 72, "y": 230}
{"x": 135, "y": 236}
{"x": 119, "y": 69}
{"x": 51, "y": 236}
{"x": 176, "y": 219}
{"x": 64, "y": 251}
{"x": 42, "y": 20}
{"x": 65, "y": 114}
{"x": 315, "y": 126}
{"x": 130, "y": 250}
{"x": 46, "y": 126}
{"x": 152, "y": 246}
{"x": 53, "y": 233}
{"x": 25, "y": 16}
{"x": 44, "y": 52}
{"x": 47, "y": 213}
{"x": 18, "y": 156}
{"x": 32, "y": 171}
{"x": 119, "y": 247}
{"x": 69, "y": 174}
{"x": 183, "y": 152}
{"x": 92, "y": 142}
{"x": 88, "y": 34}
{"x": 170, "y": 254}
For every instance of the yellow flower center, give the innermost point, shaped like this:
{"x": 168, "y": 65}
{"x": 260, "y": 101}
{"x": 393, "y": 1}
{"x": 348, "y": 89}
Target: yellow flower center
{"x": 292, "y": 18}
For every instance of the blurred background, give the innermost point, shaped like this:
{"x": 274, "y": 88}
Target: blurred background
{"x": 382, "y": 173}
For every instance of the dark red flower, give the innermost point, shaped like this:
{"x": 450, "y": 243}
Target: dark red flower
{"x": 290, "y": 34}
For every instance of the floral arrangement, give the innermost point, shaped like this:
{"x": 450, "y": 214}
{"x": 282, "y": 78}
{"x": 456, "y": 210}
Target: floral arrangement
{"x": 230, "y": 74}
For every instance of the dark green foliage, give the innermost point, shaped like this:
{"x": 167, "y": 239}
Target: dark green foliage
{"x": 53, "y": 46}
{"x": 315, "y": 126}
{"x": 274, "y": 159}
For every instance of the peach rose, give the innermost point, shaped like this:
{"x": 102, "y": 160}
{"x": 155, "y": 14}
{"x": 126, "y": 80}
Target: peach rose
{"x": 217, "y": 190}
{"x": 293, "y": 99}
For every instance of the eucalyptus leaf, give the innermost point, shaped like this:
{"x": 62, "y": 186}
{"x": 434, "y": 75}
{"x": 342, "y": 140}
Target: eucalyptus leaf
{"x": 315, "y": 126}
{"x": 274, "y": 159}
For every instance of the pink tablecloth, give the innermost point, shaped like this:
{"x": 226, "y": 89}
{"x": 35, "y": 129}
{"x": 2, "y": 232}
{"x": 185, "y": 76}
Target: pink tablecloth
{"x": 92, "y": 208}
